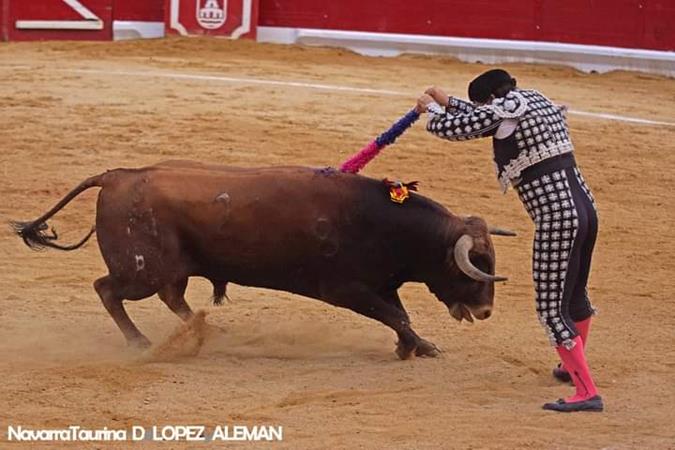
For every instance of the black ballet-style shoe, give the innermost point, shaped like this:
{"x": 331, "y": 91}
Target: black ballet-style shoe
{"x": 561, "y": 374}
{"x": 593, "y": 404}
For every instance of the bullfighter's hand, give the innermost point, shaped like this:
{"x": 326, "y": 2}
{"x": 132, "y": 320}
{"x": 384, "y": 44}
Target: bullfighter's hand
{"x": 422, "y": 103}
{"x": 438, "y": 95}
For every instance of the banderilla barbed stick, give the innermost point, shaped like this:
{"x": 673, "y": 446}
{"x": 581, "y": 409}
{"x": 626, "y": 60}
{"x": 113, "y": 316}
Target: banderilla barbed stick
{"x": 359, "y": 160}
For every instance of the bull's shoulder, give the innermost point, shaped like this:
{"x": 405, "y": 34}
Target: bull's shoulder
{"x": 379, "y": 194}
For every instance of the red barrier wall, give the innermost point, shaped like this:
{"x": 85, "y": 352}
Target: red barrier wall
{"x": 645, "y": 24}
{"x": 3, "y": 23}
{"x": 139, "y": 10}
{"x": 55, "y": 11}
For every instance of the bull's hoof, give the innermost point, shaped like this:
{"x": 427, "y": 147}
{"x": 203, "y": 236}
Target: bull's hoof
{"x": 426, "y": 348}
{"x": 140, "y": 342}
{"x": 405, "y": 351}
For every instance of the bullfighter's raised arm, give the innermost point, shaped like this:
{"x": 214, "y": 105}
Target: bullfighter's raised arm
{"x": 478, "y": 123}
{"x": 461, "y": 120}
{"x": 457, "y": 106}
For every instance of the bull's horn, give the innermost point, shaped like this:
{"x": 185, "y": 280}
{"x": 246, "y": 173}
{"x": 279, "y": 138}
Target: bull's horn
{"x": 496, "y": 231}
{"x": 462, "y": 248}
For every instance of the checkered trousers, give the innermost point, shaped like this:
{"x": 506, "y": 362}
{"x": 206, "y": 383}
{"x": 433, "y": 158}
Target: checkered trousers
{"x": 563, "y": 244}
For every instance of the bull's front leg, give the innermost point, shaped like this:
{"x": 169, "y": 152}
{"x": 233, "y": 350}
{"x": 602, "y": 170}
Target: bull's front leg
{"x": 359, "y": 298}
{"x": 424, "y": 347}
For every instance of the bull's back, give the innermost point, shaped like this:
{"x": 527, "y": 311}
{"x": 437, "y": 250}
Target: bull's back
{"x": 235, "y": 223}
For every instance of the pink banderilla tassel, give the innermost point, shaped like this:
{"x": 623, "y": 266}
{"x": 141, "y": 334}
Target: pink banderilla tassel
{"x": 359, "y": 160}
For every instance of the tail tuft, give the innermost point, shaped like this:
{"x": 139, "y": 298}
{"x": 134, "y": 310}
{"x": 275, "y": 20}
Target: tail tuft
{"x": 36, "y": 236}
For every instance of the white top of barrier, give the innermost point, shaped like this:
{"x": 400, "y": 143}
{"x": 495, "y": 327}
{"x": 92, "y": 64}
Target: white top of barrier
{"x": 587, "y": 58}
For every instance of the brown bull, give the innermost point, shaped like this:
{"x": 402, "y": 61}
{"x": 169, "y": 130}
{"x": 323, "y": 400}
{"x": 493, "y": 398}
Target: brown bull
{"x": 318, "y": 233}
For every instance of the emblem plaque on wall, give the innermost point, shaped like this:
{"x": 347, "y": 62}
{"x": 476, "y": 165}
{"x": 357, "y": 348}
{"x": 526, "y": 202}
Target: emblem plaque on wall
{"x": 227, "y": 18}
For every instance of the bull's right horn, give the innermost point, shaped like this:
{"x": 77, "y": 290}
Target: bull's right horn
{"x": 461, "y": 252}
{"x": 496, "y": 231}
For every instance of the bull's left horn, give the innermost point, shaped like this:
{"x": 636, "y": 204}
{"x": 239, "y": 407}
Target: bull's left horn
{"x": 461, "y": 252}
{"x": 496, "y": 231}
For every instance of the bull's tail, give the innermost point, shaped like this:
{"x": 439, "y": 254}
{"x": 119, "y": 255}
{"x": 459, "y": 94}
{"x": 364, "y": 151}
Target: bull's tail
{"x": 35, "y": 234}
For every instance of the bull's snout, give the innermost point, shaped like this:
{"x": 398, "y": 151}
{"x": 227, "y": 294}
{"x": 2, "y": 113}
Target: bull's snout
{"x": 462, "y": 312}
{"x": 482, "y": 313}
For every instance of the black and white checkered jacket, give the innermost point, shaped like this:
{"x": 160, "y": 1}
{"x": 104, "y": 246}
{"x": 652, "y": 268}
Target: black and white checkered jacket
{"x": 526, "y": 128}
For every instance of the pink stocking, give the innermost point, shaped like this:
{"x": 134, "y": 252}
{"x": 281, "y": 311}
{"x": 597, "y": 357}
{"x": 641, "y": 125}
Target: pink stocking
{"x": 583, "y": 327}
{"x": 575, "y": 362}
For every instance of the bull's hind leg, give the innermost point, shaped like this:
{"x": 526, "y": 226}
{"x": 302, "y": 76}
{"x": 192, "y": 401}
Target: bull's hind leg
{"x": 173, "y": 295}
{"x": 112, "y": 300}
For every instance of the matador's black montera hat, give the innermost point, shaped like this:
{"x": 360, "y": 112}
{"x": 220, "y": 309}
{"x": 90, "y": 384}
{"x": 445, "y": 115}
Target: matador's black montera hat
{"x": 495, "y": 82}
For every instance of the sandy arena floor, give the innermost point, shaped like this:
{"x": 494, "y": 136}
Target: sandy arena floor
{"x": 328, "y": 376}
